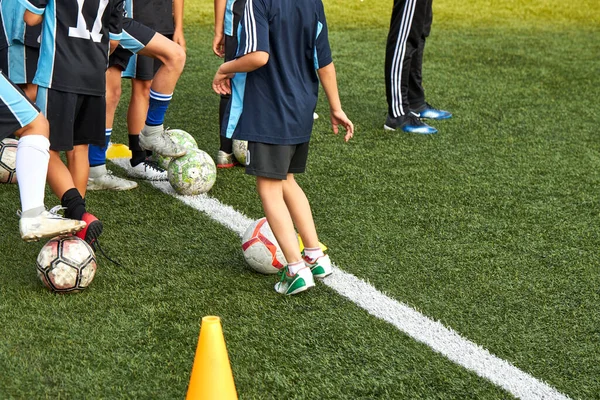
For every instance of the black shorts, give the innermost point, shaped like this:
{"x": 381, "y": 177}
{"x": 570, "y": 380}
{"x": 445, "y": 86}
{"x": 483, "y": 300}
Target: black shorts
{"x": 74, "y": 119}
{"x": 134, "y": 38}
{"x": 19, "y": 63}
{"x": 276, "y": 160}
{"x": 16, "y": 110}
{"x": 142, "y": 67}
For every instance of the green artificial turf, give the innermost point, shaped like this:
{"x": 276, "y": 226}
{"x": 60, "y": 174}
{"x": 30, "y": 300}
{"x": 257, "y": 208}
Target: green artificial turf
{"x": 489, "y": 226}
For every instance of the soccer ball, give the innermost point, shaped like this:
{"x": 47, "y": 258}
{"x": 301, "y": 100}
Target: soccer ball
{"x": 66, "y": 264}
{"x": 8, "y": 161}
{"x": 192, "y": 174}
{"x": 261, "y": 249}
{"x": 180, "y": 137}
{"x": 240, "y": 149}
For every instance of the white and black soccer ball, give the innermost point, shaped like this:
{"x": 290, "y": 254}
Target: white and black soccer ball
{"x": 261, "y": 250}
{"x": 240, "y": 150}
{"x": 193, "y": 173}
{"x": 66, "y": 264}
{"x": 8, "y": 160}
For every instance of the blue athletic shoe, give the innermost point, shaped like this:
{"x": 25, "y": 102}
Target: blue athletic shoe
{"x": 429, "y": 112}
{"x": 408, "y": 123}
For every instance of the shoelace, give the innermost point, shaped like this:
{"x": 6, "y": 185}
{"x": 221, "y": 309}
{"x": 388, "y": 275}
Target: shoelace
{"x": 413, "y": 118}
{"x": 151, "y": 164}
{"x": 95, "y": 244}
{"x": 54, "y": 210}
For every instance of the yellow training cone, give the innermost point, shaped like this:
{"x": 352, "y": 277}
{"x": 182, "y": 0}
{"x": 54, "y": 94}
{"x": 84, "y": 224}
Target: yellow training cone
{"x": 323, "y": 247}
{"x": 211, "y": 378}
{"x": 117, "y": 150}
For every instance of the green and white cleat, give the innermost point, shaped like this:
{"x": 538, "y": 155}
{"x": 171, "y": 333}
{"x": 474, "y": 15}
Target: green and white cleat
{"x": 320, "y": 267}
{"x": 292, "y": 284}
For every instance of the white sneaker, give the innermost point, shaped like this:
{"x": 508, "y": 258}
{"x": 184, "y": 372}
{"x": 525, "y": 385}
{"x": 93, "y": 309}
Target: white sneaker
{"x": 225, "y": 160}
{"x": 48, "y": 224}
{"x": 315, "y": 115}
{"x": 108, "y": 181}
{"x": 161, "y": 143}
{"x": 320, "y": 266}
{"x": 292, "y": 284}
{"x": 148, "y": 170}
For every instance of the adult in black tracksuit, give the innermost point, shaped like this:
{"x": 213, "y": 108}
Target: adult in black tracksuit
{"x": 409, "y": 28}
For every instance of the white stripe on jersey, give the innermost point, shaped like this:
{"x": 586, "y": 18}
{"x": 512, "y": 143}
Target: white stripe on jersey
{"x": 250, "y": 28}
{"x": 398, "y": 59}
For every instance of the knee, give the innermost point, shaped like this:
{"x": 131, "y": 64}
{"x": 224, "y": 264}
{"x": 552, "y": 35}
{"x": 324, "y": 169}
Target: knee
{"x": 176, "y": 57}
{"x": 39, "y": 126}
{"x": 113, "y": 95}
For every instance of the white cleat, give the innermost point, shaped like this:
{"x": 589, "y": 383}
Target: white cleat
{"x": 48, "y": 224}
{"x": 148, "y": 170}
{"x": 161, "y": 143}
{"x": 108, "y": 181}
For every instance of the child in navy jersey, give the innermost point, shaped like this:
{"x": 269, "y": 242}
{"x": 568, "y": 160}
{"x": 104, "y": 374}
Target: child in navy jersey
{"x": 283, "y": 53}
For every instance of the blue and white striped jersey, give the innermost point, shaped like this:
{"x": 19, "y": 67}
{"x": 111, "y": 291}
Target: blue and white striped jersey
{"x": 274, "y": 104}
{"x": 75, "y": 43}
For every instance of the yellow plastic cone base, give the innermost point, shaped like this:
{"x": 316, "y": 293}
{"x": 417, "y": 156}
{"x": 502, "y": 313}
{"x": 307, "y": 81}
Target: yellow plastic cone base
{"x": 323, "y": 247}
{"x": 117, "y": 150}
{"x": 211, "y": 377}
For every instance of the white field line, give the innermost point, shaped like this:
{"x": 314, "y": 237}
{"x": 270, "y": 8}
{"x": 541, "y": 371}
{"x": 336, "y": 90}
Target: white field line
{"x": 416, "y": 325}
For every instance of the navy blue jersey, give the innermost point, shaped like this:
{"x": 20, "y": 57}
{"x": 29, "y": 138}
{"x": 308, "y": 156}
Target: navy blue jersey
{"x": 234, "y": 9}
{"x": 75, "y": 43}
{"x": 274, "y": 104}
{"x": 155, "y": 14}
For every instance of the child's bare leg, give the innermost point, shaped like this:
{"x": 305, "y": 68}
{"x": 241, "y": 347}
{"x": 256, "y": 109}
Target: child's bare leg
{"x": 299, "y": 209}
{"x": 59, "y": 177}
{"x": 272, "y": 196}
{"x": 79, "y": 167}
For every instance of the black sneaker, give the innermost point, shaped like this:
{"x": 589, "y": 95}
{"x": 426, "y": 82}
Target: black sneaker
{"x": 408, "y": 123}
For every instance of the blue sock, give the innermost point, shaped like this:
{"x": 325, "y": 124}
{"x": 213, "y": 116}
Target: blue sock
{"x": 97, "y": 154}
{"x": 158, "y": 108}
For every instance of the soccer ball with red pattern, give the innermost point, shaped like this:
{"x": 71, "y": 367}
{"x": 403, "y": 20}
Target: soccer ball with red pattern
{"x": 66, "y": 264}
{"x": 261, "y": 249}
{"x": 8, "y": 161}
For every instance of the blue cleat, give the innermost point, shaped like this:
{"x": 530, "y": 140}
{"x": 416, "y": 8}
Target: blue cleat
{"x": 429, "y": 112}
{"x": 408, "y": 123}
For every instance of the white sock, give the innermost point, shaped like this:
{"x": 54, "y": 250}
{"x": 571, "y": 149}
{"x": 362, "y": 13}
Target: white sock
{"x": 33, "y": 154}
{"x": 313, "y": 253}
{"x": 293, "y": 268}
{"x": 152, "y": 130}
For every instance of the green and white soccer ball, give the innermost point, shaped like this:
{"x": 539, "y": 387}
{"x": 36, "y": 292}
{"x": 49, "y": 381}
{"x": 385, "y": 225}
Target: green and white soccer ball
{"x": 192, "y": 174}
{"x": 240, "y": 149}
{"x": 180, "y": 137}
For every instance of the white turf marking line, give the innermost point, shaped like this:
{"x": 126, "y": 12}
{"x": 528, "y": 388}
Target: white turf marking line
{"x": 416, "y": 325}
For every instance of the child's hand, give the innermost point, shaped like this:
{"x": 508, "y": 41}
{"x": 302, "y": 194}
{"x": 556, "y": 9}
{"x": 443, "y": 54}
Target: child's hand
{"x": 222, "y": 82}
{"x": 338, "y": 117}
{"x": 218, "y": 45}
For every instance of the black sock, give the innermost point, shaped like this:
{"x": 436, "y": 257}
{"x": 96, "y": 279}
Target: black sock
{"x": 137, "y": 154}
{"x": 74, "y": 203}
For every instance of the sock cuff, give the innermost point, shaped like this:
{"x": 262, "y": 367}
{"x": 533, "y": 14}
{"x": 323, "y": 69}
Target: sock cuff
{"x": 38, "y": 142}
{"x": 160, "y": 96}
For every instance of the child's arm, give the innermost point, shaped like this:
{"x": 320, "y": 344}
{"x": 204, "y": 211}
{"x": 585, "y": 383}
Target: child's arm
{"x": 218, "y": 44}
{"x": 226, "y": 71}
{"x": 328, "y": 80}
{"x": 178, "y": 36}
{"x": 32, "y": 19}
